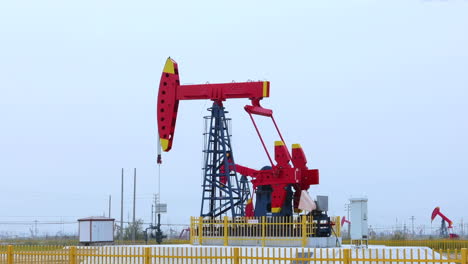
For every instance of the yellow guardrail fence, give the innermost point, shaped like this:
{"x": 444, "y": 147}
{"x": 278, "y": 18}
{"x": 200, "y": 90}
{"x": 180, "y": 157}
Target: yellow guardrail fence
{"x": 228, "y": 255}
{"x": 275, "y": 231}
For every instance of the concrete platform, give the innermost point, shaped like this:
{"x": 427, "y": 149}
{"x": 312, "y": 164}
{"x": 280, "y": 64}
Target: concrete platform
{"x": 315, "y": 242}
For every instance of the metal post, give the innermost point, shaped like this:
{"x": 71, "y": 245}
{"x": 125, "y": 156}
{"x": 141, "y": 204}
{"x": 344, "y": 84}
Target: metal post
{"x": 338, "y": 226}
{"x": 304, "y": 231}
{"x": 72, "y": 255}
{"x": 200, "y": 230}
{"x": 192, "y": 229}
{"x": 236, "y": 256}
{"x": 225, "y": 231}
{"x": 263, "y": 223}
{"x": 155, "y": 207}
{"x": 464, "y": 255}
{"x": 152, "y": 213}
{"x": 134, "y": 202}
{"x": 346, "y": 256}
{"x": 10, "y": 255}
{"x": 110, "y": 205}
{"x": 348, "y": 208}
{"x": 148, "y": 255}
{"x": 121, "y": 206}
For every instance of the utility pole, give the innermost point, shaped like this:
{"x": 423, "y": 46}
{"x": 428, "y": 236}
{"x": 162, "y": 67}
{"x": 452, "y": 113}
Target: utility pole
{"x": 110, "y": 202}
{"x": 152, "y": 213}
{"x": 155, "y": 208}
{"x": 348, "y": 209}
{"x": 134, "y": 202}
{"x": 412, "y": 224}
{"x": 121, "y": 206}
{"x": 461, "y": 228}
{"x": 36, "y": 231}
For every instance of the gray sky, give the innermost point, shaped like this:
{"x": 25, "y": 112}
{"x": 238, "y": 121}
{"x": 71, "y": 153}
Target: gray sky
{"x": 375, "y": 91}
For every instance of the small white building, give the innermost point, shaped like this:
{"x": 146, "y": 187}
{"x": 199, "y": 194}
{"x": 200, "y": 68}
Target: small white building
{"x": 96, "y": 229}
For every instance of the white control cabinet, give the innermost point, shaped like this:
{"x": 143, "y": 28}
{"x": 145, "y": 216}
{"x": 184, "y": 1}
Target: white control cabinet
{"x": 359, "y": 230}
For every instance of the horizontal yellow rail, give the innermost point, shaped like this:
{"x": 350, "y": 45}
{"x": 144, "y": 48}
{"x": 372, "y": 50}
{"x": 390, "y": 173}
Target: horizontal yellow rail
{"x": 229, "y": 255}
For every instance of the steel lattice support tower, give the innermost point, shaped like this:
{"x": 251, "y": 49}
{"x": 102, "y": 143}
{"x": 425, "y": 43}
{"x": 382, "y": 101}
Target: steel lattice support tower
{"x": 222, "y": 194}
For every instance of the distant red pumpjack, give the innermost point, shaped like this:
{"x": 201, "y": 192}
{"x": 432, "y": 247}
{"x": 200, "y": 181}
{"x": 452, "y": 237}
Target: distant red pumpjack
{"x": 436, "y": 213}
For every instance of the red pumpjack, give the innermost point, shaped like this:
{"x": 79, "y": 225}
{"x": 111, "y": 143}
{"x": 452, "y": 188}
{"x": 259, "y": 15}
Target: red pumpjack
{"x": 344, "y": 220}
{"x": 444, "y": 230}
{"x": 280, "y": 175}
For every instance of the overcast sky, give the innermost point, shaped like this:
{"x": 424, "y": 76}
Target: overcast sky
{"x": 376, "y": 92}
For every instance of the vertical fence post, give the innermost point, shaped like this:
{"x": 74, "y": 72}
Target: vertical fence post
{"x": 200, "y": 230}
{"x": 148, "y": 255}
{"x": 338, "y": 226}
{"x": 263, "y": 230}
{"x": 191, "y": 231}
{"x": 225, "y": 230}
{"x": 464, "y": 255}
{"x": 10, "y": 255}
{"x": 346, "y": 256}
{"x": 304, "y": 230}
{"x": 72, "y": 255}
{"x": 236, "y": 259}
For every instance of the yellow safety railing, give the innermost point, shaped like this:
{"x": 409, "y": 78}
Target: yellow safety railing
{"x": 271, "y": 231}
{"x": 228, "y": 255}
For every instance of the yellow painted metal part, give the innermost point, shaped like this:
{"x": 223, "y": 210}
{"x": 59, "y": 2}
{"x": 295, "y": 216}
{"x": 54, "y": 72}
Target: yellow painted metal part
{"x": 265, "y": 89}
{"x": 192, "y": 230}
{"x": 347, "y": 256}
{"x": 200, "y": 230}
{"x": 165, "y": 254}
{"x": 73, "y": 256}
{"x": 10, "y": 254}
{"x": 169, "y": 66}
{"x": 295, "y": 146}
{"x": 236, "y": 256}
{"x": 148, "y": 257}
{"x": 279, "y": 143}
{"x": 293, "y": 230}
{"x": 276, "y": 209}
{"x": 304, "y": 230}
{"x": 29, "y": 254}
{"x": 263, "y": 230}
{"x": 337, "y": 226}
{"x": 225, "y": 231}
{"x": 164, "y": 143}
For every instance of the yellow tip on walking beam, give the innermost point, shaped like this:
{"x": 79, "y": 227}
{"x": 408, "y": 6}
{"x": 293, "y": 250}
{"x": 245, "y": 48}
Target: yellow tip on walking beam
{"x": 279, "y": 143}
{"x": 169, "y": 66}
{"x": 164, "y": 143}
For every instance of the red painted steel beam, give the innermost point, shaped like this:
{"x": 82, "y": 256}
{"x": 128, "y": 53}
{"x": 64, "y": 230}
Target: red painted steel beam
{"x": 223, "y": 91}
